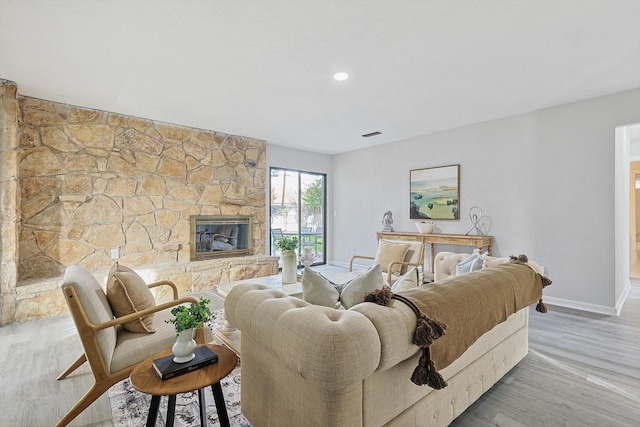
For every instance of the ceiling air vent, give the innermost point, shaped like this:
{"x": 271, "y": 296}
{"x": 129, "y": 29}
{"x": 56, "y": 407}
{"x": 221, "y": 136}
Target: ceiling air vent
{"x": 369, "y": 135}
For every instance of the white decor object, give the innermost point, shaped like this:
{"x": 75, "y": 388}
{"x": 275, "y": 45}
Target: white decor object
{"x": 387, "y": 221}
{"x": 307, "y": 257}
{"x": 476, "y": 217}
{"x": 184, "y": 346}
{"x": 289, "y": 267}
{"x": 425, "y": 227}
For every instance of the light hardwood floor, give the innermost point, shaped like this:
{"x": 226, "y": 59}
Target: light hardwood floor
{"x": 582, "y": 370}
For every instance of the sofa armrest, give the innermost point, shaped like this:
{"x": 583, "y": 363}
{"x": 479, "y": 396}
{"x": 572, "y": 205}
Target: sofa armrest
{"x": 332, "y": 348}
{"x": 444, "y": 264}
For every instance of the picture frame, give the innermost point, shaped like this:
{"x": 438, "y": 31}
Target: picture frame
{"x": 434, "y": 193}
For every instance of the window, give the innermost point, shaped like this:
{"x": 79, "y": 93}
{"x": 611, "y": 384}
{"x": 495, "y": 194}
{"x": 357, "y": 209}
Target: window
{"x": 297, "y": 206}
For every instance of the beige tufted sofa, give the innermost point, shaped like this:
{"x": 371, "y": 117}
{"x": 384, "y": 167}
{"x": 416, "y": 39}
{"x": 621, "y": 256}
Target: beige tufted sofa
{"x": 445, "y": 263}
{"x": 306, "y": 365}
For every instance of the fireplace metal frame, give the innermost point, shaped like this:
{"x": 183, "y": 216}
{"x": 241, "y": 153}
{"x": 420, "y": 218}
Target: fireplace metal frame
{"x": 196, "y": 220}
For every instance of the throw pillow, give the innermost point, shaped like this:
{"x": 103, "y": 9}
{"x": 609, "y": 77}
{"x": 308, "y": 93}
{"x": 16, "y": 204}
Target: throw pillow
{"x": 318, "y": 290}
{"x": 128, "y": 293}
{"x": 352, "y": 292}
{"x": 493, "y": 261}
{"x": 389, "y": 252}
{"x": 410, "y": 280}
{"x": 472, "y": 263}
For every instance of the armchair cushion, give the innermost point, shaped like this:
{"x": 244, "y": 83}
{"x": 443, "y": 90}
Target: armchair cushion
{"x": 389, "y": 252}
{"x": 132, "y": 347}
{"x": 128, "y": 293}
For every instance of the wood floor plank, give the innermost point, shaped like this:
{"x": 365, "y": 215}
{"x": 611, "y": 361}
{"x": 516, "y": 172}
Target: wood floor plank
{"x": 582, "y": 369}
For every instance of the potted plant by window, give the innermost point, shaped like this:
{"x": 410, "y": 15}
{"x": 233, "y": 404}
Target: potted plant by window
{"x": 186, "y": 319}
{"x": 288, "y": 246}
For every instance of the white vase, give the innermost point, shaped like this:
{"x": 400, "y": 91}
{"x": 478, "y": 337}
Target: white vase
{"x": 184, "y": 346}
{"x": 289, "y": 267}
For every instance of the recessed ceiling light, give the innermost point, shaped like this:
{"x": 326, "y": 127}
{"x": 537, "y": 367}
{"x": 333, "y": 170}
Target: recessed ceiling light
{"x": 340, "y": 76}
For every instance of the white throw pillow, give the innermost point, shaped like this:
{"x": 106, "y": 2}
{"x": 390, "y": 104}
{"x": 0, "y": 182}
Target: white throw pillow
{"x": 318, "y": 290}
{"x": 410, "y": 280}
{"x": 472, "y": 263}
{"x": 354, "y": 290}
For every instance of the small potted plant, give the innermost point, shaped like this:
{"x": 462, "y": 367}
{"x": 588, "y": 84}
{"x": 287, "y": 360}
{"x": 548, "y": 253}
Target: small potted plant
{"x": 287, "y": 243}
{"x": 288, "y": 246}
{"x": 186, "y": 319}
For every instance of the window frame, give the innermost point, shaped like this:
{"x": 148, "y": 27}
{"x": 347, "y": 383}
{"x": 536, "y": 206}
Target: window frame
{"x": 323, "y": 176}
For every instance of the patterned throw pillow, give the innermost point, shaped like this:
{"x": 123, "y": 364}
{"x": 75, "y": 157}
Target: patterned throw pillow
{"x": 472, "y": 263}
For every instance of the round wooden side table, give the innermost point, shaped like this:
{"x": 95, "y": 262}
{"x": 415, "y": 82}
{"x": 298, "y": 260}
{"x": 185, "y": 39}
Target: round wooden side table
{"x": 145, "y": 379}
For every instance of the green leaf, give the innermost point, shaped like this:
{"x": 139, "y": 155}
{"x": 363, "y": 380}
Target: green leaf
{"x": 192, "y": 316}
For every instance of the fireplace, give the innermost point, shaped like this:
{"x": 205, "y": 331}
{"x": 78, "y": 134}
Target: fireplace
{"x": 216, "y": 236}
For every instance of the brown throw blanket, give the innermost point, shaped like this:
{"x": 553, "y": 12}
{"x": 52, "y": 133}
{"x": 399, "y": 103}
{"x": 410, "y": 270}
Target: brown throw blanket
{"x": 454, "y": 313}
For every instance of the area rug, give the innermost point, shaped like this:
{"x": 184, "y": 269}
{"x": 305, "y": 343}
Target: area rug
{"x": 129, "y": 408}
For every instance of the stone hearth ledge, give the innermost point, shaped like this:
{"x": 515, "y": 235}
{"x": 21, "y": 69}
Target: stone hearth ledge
{"x": 43, "y": 298}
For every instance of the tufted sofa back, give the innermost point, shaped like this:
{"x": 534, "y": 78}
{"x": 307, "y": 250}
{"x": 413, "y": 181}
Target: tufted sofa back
{"x": 445, "y": 264}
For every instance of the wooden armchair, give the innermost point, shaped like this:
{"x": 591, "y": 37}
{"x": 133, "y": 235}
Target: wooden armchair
{"x": 395, "y": 257}
{"x": 111, "y": 350}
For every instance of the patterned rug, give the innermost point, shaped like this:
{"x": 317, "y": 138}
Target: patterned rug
{"x": 129, "y": 408}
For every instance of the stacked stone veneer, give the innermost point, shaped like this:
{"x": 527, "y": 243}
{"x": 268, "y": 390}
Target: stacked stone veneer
{"x": 84, "y": 181}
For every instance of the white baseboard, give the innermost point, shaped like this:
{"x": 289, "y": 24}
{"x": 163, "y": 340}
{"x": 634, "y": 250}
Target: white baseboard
{"x": 623, "y": 298}
{"x": 593, "y": 308}
{"x": 346, "y": 265}
{"x": 582, "y": 306}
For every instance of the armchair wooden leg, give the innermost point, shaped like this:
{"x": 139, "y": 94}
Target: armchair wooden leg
{"x": 75, "y": 365}
{"x": 94, "y": 392}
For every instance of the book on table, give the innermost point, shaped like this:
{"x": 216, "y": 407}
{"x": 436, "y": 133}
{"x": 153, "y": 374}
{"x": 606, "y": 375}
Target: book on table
{"x": 166, "y": 368}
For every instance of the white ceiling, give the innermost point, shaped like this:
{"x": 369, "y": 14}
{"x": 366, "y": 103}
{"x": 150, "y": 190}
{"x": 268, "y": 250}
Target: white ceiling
{"x": 264, "y": 68}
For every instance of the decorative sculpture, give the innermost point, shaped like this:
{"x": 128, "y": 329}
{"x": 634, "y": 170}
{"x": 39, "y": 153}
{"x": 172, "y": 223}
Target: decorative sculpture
{"x": 387, "y": 221}
{"x": 307, "y": 258}
{"x": 475, "y": 215}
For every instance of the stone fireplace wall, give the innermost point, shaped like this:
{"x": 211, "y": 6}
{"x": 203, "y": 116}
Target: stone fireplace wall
{"x": 89, "y": 181}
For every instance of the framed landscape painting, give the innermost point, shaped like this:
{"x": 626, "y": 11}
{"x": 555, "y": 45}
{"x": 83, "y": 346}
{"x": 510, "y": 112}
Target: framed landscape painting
{"x": 435, "y": 193}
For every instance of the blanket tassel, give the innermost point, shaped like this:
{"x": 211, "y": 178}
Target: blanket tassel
{"x": 426, "y": 373}
{"x": 541, "y": 307}
{"x": 379, "y": 296}
{"x": 427, "y": 331}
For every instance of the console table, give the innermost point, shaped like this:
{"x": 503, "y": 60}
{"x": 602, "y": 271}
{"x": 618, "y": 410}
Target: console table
{"x": 446, "y": 239}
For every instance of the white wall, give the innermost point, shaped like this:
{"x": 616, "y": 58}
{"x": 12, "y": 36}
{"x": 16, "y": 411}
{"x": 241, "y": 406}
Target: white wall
{"x": 546, "y": 180}
{"x": 634, "y": 146}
